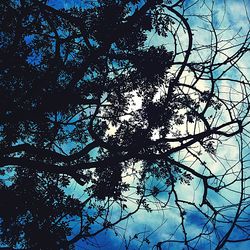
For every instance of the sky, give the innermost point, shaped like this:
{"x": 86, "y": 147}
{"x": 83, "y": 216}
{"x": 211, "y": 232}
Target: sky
{"x": 230, "y": 17}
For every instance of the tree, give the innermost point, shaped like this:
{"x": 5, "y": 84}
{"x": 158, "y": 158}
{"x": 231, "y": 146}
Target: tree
{"x": 121, "y": 99}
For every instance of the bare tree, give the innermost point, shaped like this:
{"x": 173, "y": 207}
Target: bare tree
{"x": 113, "y": 109}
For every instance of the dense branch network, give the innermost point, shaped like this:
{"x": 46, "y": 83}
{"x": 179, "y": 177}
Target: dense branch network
{"x": 89, "y": 96}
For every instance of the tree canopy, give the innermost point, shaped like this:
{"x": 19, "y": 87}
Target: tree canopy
{"x": 110, "y": 108}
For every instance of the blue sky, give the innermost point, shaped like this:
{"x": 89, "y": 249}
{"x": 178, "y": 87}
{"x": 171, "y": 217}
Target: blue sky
{"x": 164, "y": 222}
{"x": 160, "y": 225}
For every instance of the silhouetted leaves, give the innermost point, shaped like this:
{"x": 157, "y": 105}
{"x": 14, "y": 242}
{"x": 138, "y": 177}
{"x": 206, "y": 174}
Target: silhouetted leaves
{"x": 85, "y": 95}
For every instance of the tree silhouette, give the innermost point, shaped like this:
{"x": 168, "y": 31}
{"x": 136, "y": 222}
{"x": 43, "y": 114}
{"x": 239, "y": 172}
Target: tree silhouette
{"x": 108, "y": 108}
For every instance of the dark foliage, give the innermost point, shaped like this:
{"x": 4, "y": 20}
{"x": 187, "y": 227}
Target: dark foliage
{"x": 68, "y": 80}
